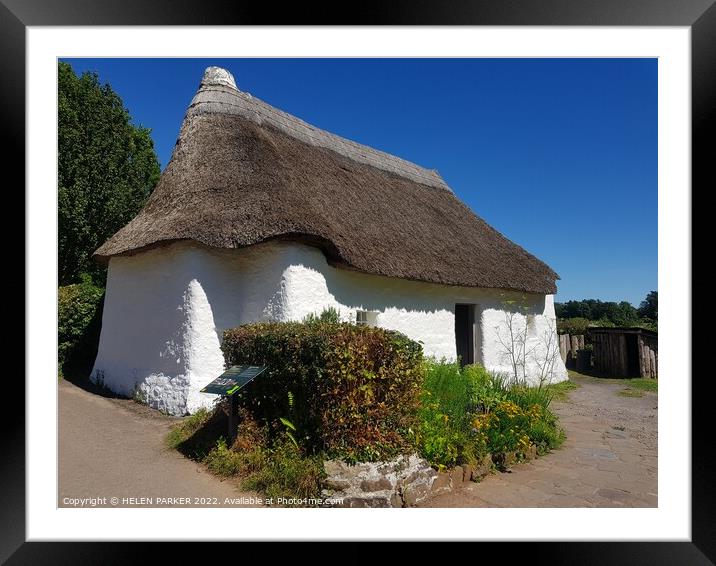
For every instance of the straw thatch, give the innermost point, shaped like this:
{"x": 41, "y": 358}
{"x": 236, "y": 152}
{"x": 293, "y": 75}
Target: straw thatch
{"x": 243, "y": 172}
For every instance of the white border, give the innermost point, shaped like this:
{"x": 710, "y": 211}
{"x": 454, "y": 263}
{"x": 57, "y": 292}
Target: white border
{"x": 671, "y": 521}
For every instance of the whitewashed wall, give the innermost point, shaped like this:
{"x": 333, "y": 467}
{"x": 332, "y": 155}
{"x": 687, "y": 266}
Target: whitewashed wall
{"x": 166, "y": 309}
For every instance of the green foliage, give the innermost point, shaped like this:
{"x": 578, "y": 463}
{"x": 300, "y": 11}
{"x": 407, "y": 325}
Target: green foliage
{"x": 327, "y": 316}
{"x": 573, "y": 326}
{"x": 284, "y": 471}
{"x": 560, "y": 391}
{"x": 107, "y": 168}
{"x": 78, "y": 324}
{"x": 449, "y": 398}
{"x": 181, "y": 432}
{"x": 274, "y": 466}
{"x": 223, "y": 461}
{"x": 644, "y": 384}
{"x": 630, "y": 392}
{"x": 355, "y": 389}
{"x": 649, "y": 307}
{"x": 468, "y": 412}
{"x": 575, "y": 316}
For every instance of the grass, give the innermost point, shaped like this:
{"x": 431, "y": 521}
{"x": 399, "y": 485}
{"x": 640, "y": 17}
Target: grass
{"x": 634, "y": 386}
{"x": 630, "y": 393}
{"x": 560, "y": 391}
{"x": 277, "y": 469}
{"x": 644, "y": 384}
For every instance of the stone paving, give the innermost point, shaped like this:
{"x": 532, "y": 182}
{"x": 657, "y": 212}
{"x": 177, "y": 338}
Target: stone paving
{"x": 608, "y": 460}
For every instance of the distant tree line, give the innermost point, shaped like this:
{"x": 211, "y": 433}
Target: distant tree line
{"x": 574, "y": 317}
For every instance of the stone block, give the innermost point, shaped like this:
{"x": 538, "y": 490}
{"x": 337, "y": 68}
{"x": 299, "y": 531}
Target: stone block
{"x": 456, "y": 475}
{"x": 482, "y": 468}
{"x": 377, "y": 484}
{"x": 531, "y": 452}
{"x": 441, "y": 483}
{"x": 414, "y": 494}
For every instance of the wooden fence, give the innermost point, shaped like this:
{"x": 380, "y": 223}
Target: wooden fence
{"x": 628, "y": 352}
{"x": 568, "y": 347}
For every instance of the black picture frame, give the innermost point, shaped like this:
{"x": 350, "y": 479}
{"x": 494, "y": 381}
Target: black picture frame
{"x": 699, "y": 15}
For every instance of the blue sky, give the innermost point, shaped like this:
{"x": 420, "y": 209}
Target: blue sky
{"x": 560, "y": 155}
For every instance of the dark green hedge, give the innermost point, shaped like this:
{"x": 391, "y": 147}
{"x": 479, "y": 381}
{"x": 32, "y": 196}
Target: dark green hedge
{"x": 78, "y": 327}
{"x": 351, "y": 391}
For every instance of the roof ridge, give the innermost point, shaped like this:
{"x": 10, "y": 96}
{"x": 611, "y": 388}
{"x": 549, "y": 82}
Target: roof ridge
{"x": 220, "y": 96}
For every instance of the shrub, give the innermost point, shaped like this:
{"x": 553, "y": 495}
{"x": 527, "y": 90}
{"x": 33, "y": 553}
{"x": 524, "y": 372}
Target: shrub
{"x": 329, "y": 315}
{"x": 468, "y": 412}
{"x": 354, "y": 389}
{"x": 284, "y": 471}
{"x": 574, "y": 326}
{"x": 444, "y": 436}
{"x": 78, "y": 325}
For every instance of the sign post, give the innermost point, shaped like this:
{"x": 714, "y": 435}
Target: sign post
{"x": 228, "y": 385}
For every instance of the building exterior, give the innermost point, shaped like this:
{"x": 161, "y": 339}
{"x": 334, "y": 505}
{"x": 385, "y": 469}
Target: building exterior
{"x": 624, "y": 352}
{"x": 261, "y": 216}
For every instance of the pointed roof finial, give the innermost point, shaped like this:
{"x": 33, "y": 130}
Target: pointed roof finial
{"x": 218, "y": 76}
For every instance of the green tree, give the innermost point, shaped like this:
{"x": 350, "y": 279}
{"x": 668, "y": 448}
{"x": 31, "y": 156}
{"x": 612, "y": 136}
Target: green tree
{"x": 107, "y": 169}
{"x": 649, "y": 307}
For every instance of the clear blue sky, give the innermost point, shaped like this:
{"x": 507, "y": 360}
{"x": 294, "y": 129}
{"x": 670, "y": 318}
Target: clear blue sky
{"x": 560, "y": 155}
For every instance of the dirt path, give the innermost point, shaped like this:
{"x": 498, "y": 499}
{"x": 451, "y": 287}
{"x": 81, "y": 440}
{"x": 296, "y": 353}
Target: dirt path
{"x": 608, "y": 460}
{"x": 115, "y": 448}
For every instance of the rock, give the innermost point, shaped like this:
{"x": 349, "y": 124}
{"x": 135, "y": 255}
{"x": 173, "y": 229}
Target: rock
{"x": 482, "y": 468}
{"x": 336, "y": 484}
{"x": 333, "y": 467}
{"x": 456, "y": 475}
{"x": 531, "y": 452}
{"x": 505, "y": 460}
{"x": 379, "y": 484}
{"x": 414, "y": 494}
{"x": 441, "y": 483}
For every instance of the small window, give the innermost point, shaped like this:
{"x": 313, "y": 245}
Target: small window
{"x": 367, "y": 318}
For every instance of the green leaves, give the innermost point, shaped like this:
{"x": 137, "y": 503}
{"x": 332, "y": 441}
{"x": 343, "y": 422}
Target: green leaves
{"x": 352, "y": 391}
{"x": 78, "y": 319}
{"x": 107, "y": 167}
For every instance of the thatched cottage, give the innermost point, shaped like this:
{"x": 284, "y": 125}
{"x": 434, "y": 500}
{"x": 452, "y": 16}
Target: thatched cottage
{"x": 261, "y": 216}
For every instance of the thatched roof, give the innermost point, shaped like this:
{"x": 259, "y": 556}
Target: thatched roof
{"x": 243, "y": 172}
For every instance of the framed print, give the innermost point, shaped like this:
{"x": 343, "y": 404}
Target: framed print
{"x": 266, "y": 304}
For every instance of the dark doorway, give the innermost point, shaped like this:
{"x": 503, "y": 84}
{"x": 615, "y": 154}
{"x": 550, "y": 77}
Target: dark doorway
{"x": 632, "y": 353}
{"x": 465, "y": 333}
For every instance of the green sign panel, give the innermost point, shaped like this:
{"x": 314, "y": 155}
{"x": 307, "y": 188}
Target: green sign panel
{"x": 233, "y": 379}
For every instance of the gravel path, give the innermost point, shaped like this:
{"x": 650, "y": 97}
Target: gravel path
{"x": 115, "y": 448}
{"x": 608, "y": 460}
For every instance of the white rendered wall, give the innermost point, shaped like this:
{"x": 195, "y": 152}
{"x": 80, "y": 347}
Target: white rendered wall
{"x": 166, "y": 309}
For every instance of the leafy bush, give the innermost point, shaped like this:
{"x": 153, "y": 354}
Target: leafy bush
{"x": 468, "y": 412}
{"x": 444, "y": 436}
{"x": 78, "y": 326}
{"x": 354, "y": 389}
{"x": 573, "y": 326}
{"x": 284, "y": 471}
{"x": 329, "y": 315}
